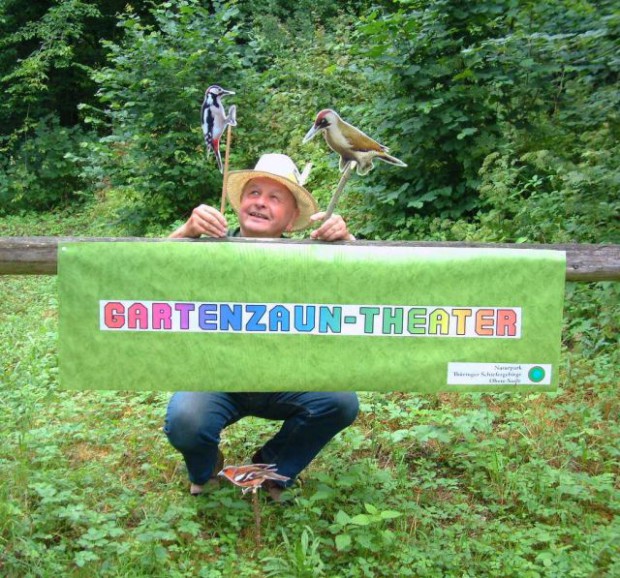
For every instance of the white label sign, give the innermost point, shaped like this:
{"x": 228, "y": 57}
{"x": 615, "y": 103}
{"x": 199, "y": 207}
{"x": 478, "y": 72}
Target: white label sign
{"x": 499, "y": 374}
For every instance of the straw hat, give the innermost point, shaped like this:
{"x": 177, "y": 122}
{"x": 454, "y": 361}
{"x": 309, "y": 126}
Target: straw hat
{"x": 282, "y": 169}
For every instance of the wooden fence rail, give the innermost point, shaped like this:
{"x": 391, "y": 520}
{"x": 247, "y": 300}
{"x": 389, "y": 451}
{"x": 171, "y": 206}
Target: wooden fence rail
{"x": 38, "y": 255}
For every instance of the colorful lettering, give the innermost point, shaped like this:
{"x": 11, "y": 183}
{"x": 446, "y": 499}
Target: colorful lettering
{"x": 304, "y": 323}
{"x": 416, "y": 321}
{"x": 207, "y": 317}
{"x": 279, "y": 319}
{"x": 506, "y": 324}
{"x": 439, "y": 322}
{"x": 114, "y": 315}
{"x": 484, "y": 322}
{"x": 231, "y": 317}
{"x": 298, "y": 318}
{"x": 137, "y": 314}
{"x": 461, "y": 319}
{"x": 393, "y": 320}
{"x": 369, "y": 314}
{"x": 184, "y": 310}
{"x": 161, "y": 313}
{"x": 330, "y": 319}
{"x": 258, "y": 312}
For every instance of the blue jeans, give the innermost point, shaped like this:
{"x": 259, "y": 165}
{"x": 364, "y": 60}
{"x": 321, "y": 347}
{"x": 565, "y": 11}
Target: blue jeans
{"x": 195, "y": 420}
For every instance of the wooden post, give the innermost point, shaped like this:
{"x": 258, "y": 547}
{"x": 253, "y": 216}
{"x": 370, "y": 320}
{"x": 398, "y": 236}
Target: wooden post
{"x": 37, "y": 255}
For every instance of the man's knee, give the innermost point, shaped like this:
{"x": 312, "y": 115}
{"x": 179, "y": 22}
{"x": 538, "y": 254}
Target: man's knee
{"x": 347, "y": 407}
{"x": 188, "y": 428}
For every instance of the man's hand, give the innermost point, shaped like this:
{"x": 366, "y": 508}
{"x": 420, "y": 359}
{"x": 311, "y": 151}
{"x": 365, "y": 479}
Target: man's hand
{"x": 204, "y": 220}
{"x": 334, "y": 229}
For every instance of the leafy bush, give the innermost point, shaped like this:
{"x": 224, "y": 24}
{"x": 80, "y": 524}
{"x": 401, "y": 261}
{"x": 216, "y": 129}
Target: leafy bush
{"x": 461, "y": 87}
{"x": 542, "y": 197}
{"x": 40, "y": 173}
{"x": 153, "y": 88}
{"x": 506, "y": 113}
{"x": 152, "y": 91}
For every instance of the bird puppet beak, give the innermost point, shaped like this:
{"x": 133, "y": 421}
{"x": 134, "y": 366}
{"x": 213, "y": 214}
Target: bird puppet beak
{"x": 310, "y": 134}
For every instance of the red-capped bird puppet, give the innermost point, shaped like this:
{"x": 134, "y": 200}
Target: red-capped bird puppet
{"x": 356, "y": 149}
{"x": 350, "y": 143}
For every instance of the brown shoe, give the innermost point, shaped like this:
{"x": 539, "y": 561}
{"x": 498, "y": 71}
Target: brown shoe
{"x": 197, "y": 489}
{"x": 276, "y": 492}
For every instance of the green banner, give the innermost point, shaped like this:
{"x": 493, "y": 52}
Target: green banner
{"x": 256, "y": 316}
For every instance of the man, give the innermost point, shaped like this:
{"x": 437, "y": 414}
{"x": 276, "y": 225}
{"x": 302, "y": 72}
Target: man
{"x": 269, "y": 200}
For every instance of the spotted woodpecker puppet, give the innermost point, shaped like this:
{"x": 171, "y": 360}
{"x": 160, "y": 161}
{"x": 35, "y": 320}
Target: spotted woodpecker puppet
{"x": 214, "y": 119}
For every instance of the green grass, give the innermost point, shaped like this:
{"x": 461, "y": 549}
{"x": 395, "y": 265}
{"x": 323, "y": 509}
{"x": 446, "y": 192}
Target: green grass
{"x": 446, "y": 485}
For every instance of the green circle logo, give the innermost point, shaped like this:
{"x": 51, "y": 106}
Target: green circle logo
{"x": 536, "y": 374}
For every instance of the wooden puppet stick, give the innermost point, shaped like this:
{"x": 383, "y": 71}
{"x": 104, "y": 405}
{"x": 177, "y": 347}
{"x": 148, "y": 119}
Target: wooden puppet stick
{"x": 225, "y": 180}
{"x": 343, "y": 181}
{"x": 257, "y": 519}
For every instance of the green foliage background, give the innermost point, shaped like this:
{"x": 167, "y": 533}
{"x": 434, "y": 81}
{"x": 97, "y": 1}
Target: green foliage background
{"x": 505, "y": 112}
{"x": 507, "y": 115}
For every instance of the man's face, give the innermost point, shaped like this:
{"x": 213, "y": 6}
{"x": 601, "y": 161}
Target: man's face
{"x": 267, "y": 208}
